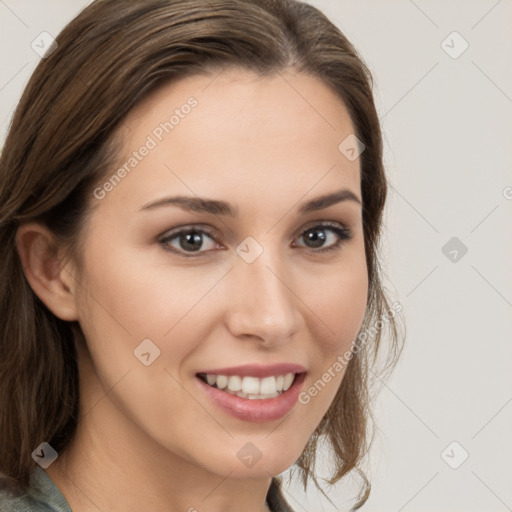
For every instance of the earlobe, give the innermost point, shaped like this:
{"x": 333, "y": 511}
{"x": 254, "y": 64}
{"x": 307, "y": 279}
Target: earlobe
{"x": 50, "y": 280}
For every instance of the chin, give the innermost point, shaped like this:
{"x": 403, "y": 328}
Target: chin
{"x": 258, "y": 459}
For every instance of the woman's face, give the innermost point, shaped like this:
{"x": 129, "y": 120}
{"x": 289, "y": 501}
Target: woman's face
{"x": 246, "y": 287}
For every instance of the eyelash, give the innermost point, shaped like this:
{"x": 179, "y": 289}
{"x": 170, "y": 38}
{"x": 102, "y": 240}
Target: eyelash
{"x": 343, "y": 234}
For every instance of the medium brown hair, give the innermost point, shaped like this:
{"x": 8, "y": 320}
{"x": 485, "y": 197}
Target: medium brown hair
{"x": 112, "y": 55}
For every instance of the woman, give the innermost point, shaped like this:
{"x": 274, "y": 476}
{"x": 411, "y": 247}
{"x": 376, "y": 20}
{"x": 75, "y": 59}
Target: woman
{"x": 192, "y": 194}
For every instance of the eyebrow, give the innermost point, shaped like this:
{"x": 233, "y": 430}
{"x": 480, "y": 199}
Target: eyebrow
{"x": 215, "y": 207}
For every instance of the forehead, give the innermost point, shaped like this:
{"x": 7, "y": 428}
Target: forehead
{"x": 217, "y": 133}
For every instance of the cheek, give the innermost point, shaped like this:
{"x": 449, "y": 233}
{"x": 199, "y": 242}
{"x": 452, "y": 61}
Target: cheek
{"x": 133, "y": 296}
{"x": 339, "y": 308}
{"x": 136, "y": 292}
{"x": 339, "y": 304}
{"x": 128, "y": 299}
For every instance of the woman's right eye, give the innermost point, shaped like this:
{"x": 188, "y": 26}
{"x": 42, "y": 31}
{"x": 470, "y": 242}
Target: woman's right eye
{"x": 187, "y": 241}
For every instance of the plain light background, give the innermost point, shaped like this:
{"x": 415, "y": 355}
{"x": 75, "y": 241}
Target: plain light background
{"x": 447, "y": 127}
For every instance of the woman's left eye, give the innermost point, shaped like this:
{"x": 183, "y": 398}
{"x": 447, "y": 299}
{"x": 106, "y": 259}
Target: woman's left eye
{"x": 317, "y": 236}
{"x": 188, "y": 241}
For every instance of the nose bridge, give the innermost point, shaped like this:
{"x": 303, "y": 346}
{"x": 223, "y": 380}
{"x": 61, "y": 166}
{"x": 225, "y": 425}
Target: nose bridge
{"x": 263, "y": 305}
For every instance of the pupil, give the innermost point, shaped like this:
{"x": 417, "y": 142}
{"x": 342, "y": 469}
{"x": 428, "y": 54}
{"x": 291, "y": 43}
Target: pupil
{"x": 191, "y": 239}
{"x": 317, "y": 240}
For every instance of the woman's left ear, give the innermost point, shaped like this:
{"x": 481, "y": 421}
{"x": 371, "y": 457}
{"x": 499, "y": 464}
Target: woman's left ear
{"x": 52, "y": 281}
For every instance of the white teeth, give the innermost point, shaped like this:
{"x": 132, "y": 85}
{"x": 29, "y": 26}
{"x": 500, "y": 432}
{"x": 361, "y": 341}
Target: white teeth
{"x": 288, "y": 379}
{"x": 235, "y": 383}
{"x": 222, "y": 381}
{"x": 268, "y": 386}
{"x": 252, "y": 387}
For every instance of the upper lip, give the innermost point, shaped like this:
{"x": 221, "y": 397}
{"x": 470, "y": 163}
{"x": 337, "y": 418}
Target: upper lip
{"x": 257, "y": 370}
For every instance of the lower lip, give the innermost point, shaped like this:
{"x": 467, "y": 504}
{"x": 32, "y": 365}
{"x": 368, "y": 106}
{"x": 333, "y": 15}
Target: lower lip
{"x": 256, "y": 410}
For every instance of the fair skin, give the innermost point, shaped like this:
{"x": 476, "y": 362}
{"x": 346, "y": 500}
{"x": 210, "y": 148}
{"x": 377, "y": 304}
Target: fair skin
{"x": 148, "y": 437}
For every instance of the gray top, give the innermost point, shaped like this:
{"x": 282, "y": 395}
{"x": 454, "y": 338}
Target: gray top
{"x": 46, "y": 497}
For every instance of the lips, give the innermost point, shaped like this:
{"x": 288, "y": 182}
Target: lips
{"x": 254, "y": 392}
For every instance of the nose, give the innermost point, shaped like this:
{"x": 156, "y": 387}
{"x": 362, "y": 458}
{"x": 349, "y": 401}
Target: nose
{"x": 262, "y": 303}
